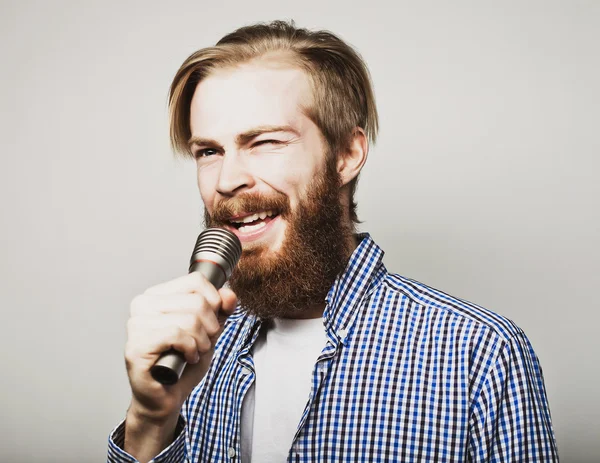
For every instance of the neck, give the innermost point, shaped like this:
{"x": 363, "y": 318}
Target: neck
{"x": 313, "y": 311}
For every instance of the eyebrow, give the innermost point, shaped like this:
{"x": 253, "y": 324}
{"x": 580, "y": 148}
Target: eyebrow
{"x": 245, "y": 137}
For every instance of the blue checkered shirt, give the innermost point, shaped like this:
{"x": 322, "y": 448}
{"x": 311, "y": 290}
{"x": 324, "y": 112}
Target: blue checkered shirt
{"x": 408, "y": 374}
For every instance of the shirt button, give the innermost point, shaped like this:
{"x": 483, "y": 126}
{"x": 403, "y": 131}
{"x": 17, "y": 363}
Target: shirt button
{"x": 231, "y": 452}
{"x": 246, "y": 371}
{"x": 342, "y": 333}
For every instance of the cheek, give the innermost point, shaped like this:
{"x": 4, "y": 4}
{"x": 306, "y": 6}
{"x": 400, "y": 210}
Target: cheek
{"x": 207, "y": 185}
{"x": 285, "y": 175}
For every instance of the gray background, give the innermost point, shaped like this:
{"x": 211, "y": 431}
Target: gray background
{"x": 484, "y": 184}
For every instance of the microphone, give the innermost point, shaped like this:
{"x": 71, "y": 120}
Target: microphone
{"x": 216, "y": 253}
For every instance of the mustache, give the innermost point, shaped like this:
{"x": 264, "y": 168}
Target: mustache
{"x": 248, "y": 203}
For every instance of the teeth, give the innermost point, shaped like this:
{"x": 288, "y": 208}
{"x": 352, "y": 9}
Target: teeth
{"x": 250, "y": 218}
{"x": 251, "y": 228}
{"x": 253, "y": 217}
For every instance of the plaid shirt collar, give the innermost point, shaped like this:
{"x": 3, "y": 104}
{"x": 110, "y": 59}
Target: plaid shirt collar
{"x": 364, "y": 272}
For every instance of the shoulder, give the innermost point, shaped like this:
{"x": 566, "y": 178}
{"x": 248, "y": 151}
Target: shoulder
{"x": 435, "y": 304}
{"x": 490, "y": 343}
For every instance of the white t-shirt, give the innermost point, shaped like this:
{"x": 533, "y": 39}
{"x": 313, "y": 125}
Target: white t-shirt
{"x": 284, "y": 358}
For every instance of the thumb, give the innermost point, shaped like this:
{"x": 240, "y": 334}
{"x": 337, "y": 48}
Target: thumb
{"x": 228, "y": 299}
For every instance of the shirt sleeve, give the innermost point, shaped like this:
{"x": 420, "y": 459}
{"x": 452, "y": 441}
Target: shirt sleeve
{"x": 510, "y": 419}
{"x": 174, "y": 453}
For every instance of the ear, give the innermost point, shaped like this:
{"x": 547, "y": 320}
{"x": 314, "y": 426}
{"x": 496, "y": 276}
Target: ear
{"x": 351, "y": 161}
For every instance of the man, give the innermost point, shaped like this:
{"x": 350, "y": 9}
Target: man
{"x": 327, "y": 357}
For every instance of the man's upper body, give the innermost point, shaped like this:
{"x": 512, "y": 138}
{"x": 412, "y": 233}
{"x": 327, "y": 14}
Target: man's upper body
{"x": 406, "y": 373}
{"x": 278, "y": 120}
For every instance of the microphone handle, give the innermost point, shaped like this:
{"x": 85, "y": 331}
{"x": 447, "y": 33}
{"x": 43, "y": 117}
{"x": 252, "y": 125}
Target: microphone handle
{"x": 170, "y": 365}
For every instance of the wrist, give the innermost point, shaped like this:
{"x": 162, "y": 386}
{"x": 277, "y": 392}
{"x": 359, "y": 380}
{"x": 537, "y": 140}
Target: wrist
{"x": 143, "y": 409}
{"x": 147, "y": 436}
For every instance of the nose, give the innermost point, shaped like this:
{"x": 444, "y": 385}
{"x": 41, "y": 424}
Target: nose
{"x": 234, "y": 175}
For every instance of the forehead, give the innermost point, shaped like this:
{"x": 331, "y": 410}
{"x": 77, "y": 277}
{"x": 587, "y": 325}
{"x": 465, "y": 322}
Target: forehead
{"x": 235, "y": 99}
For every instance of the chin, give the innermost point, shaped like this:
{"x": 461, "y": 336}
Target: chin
{"x": 271, "y": 243}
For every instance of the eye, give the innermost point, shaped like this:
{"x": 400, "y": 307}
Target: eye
{"x": 267, "y": 142}
{"x": 206, "y": 152}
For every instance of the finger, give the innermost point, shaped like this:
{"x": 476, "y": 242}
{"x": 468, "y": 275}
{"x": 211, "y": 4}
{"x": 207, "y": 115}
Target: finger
{"x": 153, "y": 343}
{"x": 191, "y": 345}
{"x": 165, "y": 303}
{"x": 146, "y": 305}
{"x": 148, "y": 337}
{"x": 193, "y": 282}
{"x": 228, "y": 300}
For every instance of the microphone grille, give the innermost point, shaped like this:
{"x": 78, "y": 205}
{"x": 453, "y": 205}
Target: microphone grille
{"x": 221, "y": 242}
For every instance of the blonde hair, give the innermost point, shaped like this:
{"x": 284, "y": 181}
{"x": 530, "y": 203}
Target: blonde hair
{"x": 343, "y": 97}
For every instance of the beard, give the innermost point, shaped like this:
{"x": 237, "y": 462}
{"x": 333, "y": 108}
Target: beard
{"x": 315, "y": 249}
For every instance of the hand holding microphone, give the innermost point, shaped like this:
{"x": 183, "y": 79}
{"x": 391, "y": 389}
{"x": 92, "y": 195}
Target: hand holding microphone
{"x": 179, "y": 317}
{"x": 216, "y": 253}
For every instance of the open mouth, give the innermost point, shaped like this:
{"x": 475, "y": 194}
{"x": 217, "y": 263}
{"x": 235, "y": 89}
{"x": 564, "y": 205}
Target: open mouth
{"x": 253, "y": 222}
